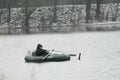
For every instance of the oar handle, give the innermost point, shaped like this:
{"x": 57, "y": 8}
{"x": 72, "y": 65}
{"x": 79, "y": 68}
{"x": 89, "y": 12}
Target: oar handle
{"x": 72, "y": 54}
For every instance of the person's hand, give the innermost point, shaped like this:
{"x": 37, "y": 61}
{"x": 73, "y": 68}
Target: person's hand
{"x": 52, "y": 50}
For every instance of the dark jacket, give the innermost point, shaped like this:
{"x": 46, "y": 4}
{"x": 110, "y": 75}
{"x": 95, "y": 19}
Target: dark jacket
{"x": 41, "y": 52}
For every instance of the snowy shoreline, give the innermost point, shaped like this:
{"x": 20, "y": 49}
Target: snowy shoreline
{"x": 70, "y": 18}
{"x": 101, "y": 26}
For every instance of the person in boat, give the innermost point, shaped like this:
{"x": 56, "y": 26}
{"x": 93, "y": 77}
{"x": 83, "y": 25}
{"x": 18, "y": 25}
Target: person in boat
{"x": 39, "y": 51}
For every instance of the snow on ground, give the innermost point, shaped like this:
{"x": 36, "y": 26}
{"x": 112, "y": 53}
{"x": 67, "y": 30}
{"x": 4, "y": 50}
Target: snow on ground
{"x": 100, "y": 58}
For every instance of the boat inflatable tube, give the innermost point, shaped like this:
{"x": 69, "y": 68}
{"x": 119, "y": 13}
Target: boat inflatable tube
{"x": 52, "y": 57}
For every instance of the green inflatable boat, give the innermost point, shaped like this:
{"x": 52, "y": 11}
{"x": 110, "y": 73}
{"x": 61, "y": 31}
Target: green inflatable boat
{"x": 47, "y": 58}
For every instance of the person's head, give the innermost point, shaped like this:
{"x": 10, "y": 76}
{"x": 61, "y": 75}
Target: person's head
{"x": 39, "y": 46}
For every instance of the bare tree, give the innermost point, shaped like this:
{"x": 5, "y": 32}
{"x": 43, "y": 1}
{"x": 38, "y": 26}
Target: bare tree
{"x": 0, "y": 10}
{"x": 26, "y": 20}
{"x": 9, "y": 12}
{"x": 114, "y": 17}
{"x": 55, "y": 11}
{"x": 72, "y": 20}
{"x": 98, "y": 12}
{"x": 28, "y": 12}
{"x": 113, "y": 11}
{"x": 9, "y": 15}
{"x": 88, "y": 7}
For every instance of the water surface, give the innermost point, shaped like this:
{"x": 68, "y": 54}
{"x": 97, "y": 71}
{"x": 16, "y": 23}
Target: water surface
{"x": 100, "y": 58}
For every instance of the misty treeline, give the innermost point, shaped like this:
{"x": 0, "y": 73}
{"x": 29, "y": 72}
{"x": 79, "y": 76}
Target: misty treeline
{"x": 47, "y": 13}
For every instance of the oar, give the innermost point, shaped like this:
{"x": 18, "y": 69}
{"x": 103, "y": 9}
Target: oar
{"x": 72, "y": 54}
{"x": 64, "y": 52}
{"x": 45, "y": 57}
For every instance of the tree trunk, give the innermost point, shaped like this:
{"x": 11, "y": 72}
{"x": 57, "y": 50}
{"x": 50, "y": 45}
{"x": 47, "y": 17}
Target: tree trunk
{"x": 0, "y": 15}
{"x": 9, "y": 16}
{"x": 55, "y": 11}
{"x": 26, "y": 20}
{"x": 88, "y": 6}
{"x": 72, "y": 20}
{"x": 28, "y": 12}
{"x": 0, "y": 10}
{"x": 98, "y": 12}
{"x": 114, "y": 18}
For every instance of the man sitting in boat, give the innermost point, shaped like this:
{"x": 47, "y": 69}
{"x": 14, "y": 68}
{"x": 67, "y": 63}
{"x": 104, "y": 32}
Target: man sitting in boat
{"x": 39, "y": 51}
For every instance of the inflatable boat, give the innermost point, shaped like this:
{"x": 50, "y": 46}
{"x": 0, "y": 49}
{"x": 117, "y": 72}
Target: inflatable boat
{"x": 47, "y": 58}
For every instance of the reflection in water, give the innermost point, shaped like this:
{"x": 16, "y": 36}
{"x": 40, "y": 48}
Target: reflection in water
{"x": 99, "y": 61}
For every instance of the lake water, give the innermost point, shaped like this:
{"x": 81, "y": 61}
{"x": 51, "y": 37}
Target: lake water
{"x": 100, "y": 59}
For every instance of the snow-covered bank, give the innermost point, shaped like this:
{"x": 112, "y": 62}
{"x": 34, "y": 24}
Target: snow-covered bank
{"x": 105, "y": 26}
{"x": 69, "y": 18}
